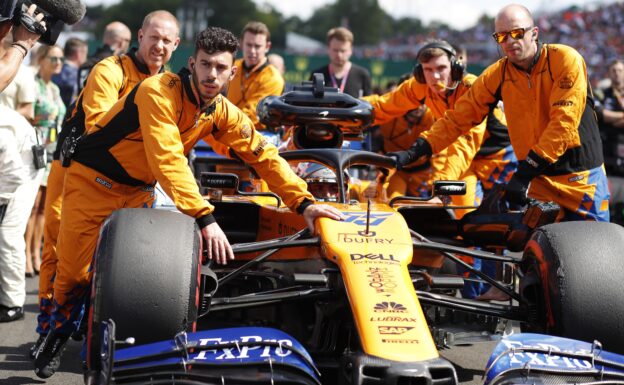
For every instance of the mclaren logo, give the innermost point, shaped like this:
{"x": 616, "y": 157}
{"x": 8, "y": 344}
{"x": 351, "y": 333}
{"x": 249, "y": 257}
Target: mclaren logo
{"x": 389, "y": 307}
{"x": 396, "y": 330}
{"x": 324, "y": 113}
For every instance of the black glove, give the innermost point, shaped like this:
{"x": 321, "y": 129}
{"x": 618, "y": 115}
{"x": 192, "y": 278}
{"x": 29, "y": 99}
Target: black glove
{"x": 420, "y": 148}
{"x": 518, "y": 186}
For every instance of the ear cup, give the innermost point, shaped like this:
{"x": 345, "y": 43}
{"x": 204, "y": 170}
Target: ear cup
{"x": 457, "y": 70}
{"x": 419, "y": 74}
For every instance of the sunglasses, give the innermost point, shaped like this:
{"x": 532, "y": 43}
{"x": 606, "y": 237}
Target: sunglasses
{"x": 516, "y": 34}
{"x": 54, "y": 59}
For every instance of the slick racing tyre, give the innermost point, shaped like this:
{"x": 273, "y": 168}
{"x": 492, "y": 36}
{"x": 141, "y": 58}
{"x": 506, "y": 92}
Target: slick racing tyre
{"x": 573, "y": 275}
{"x": 146, "y": 277}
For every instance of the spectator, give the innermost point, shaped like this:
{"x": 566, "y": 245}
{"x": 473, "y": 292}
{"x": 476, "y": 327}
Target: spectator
{"x": 75, "y": 52}
{"x": 19, "y": 182}
{"x": 611, "y": 117}
{"x": 116, "y": 39}
{"x": 49, "y": 113}
{"x": 341, "y": 73}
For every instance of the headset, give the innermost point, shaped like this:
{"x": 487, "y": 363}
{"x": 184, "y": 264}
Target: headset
{"x": 457, "y": 67}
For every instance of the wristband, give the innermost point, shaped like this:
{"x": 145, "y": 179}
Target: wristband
{"x": 20, "y": 47}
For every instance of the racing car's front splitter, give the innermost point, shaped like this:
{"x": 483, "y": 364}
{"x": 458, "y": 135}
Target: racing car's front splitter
{"x": 359, "y": 368}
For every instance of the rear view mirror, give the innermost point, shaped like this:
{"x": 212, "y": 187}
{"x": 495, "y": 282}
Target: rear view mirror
{"x": 219, "y": 180}
{"x": 449, "y": 187}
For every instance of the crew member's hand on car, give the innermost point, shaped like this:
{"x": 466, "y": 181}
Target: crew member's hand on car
{"x": 321, "y": 210}
{"x": 217, "y": 244}
{"x": 518, "y": 186}
{"x": 419, "y": 149}
{"x": 516, "y": 192}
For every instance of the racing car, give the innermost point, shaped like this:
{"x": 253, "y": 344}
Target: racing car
{"x": 365, "y": 300}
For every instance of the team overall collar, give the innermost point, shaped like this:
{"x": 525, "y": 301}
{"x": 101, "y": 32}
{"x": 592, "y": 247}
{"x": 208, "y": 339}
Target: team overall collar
{"x": 190, "y": 91}
{"x": 257, "y": 68}
{"x": 142, "y": 67}
{"x": 536, "y": 58}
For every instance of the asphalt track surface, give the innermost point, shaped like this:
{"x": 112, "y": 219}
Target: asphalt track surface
{"x": 17, "y": 369}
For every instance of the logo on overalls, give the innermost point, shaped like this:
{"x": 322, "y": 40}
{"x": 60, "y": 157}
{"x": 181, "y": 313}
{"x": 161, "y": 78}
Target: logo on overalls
{"x": 104, "y": 183}
{"x": 566, "y": 82}
{"x": 245, "y": 131}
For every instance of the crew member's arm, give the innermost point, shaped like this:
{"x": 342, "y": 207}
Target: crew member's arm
{"x": 165, "y": 155}
{"x": 101, "y": 91}
{"x": 396, "y": 103}
{"x": 464, "y": 122}
{"x": 23, "y": 41}
{"x": 236, "y": 131}
{"x": 461, "y": 153}
{"x": 268, "y": 83}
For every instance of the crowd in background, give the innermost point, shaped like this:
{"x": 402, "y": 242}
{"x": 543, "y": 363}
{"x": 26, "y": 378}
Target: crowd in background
{"x": 577, "y": 27}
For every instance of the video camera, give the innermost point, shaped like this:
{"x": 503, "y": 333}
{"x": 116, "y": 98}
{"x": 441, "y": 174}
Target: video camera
{"x": 56, "y": 13}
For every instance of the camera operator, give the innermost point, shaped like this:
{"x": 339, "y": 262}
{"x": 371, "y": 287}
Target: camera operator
{"x": 23, "y": 40}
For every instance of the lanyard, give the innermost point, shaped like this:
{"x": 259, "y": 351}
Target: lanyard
{"x": 343, "y": 82}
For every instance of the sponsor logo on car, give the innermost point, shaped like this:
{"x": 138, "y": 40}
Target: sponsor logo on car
{"x": 359, "y": 218}
{"x": 389, "y": 307}
{"x": 551, "y": 359}
{"x": 381, "y": 279}
{"x": 361, "y": 237}
{"x": 286, "y": 229}
{"x": 244, "y": 350}
{"x": 399, "y": 341}
{"x": 396, "y": 330}
{"x": 393, "y": 319}
{"x": 373, "y": 258}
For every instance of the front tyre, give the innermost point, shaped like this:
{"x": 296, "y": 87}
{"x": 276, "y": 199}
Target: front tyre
{"x": 573, "y": 280}
{"x": 146, "y": 277}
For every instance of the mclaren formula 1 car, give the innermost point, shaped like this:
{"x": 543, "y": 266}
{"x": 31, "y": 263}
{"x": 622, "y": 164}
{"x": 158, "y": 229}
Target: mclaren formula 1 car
{"x": 366, "y": 300}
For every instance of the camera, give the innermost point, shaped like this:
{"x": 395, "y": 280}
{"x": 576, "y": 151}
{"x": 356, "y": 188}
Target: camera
{"x": 56, "y": 13}
{"x": 53, "y": 25}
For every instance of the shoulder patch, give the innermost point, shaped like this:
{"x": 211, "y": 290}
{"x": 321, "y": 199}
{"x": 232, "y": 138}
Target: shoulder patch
{"x": 566, "y": 82}
{"x": 245, "y": 131}
{"x": 173, "y": 82}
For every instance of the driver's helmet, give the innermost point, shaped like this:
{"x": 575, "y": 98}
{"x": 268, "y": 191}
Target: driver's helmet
{"x": 322, "y": 182}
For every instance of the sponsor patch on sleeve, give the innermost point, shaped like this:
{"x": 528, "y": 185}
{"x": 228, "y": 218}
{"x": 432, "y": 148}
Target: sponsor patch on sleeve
{"x": 566, "y": 82}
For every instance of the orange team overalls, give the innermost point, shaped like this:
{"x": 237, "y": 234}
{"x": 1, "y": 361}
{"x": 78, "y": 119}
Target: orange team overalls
{"x": 143, "y": 139}
{"x": 415, "y": 179}
{"x": 460, "y": 154}
{"x": 109, "y": 80}
{"x": 550, "y": 116}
